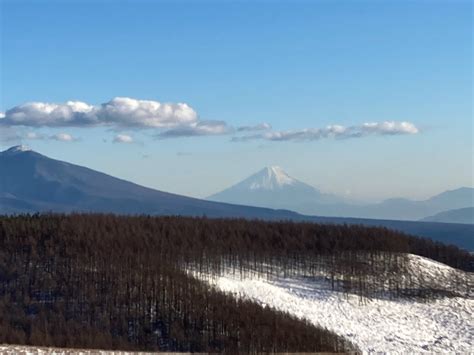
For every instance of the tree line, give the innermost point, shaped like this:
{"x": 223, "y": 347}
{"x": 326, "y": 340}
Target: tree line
{"x": 118, "y": 282}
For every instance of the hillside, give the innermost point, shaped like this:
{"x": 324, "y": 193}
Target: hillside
{"x": 462, "y": 215}
{"x": 381, "y": 325}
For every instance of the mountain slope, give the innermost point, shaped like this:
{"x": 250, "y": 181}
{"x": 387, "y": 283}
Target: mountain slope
{"x": 461, "y": 215}
{"x": 272, "y": 187}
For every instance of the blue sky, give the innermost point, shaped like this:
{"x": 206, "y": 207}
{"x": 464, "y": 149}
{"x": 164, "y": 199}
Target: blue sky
{"x": 298, "y": 67}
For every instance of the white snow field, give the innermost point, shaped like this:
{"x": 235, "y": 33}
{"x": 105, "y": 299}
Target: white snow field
{"x": 377, "y": 325}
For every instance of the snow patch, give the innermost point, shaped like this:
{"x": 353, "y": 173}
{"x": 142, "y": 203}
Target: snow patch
{"x": 18, "y": 148}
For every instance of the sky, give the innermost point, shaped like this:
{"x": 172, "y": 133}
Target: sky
{"x": 366, "y": 99}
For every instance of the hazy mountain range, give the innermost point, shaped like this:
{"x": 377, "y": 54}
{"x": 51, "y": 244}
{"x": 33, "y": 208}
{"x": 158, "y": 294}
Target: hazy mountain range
{"x": 31, "y": 182}
{"x": 461, "y": 215}
{"x": 272, "y": 187}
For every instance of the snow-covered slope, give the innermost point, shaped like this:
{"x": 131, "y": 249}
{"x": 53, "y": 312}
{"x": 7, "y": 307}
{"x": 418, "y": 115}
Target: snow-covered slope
{"x": 377, "y": 325}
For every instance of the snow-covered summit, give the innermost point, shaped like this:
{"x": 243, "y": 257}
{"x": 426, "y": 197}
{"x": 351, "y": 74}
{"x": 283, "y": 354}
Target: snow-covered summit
{"x": 270, "y": 178}
{"x": 17, "y": 149}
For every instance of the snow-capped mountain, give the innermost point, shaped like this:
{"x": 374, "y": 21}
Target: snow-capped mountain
{"x": 16, "y": 149}
{"x": 272, "y": 186}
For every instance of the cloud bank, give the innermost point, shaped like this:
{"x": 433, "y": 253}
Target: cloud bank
{"x": 335, "y": 131}
{"x": 171, "y": 120}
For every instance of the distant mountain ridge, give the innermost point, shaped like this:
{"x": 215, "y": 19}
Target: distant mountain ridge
{"x": 461, "y": 215}
{"x": 272, "y": 187}
{"x": 31, "y": 182}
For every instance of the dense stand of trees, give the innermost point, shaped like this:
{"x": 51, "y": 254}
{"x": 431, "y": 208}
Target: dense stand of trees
{"x": 115, "y": 282}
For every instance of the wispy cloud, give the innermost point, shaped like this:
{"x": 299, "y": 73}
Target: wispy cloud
{"x": 334, "y": 131}
{"x": 258, "y": 127}
{"x": 63, "y": 137}
{"x": 123, "y": 138}
{"x": 202, "y": 128}
{"x": 9, "y": 136}
{"x": 60, "y": 137}
{"x": 35, "y": 136}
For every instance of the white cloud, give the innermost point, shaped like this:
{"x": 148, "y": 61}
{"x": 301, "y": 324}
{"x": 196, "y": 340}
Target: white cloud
{"x": 40, "y": 114}
{"x": 60, "y": 137}
{"x": 259, "y": 127}
{"x": 2, "y": 115}
{"x": 390, "y": 127}
{"x": 202, "y": 128}
{"x": 123, "y": 138}
{"x": 118, "y": 112}
{"x": 34, "y": 135}
{"x": 63, "y": 137}
{"x": 128, "y": 112}
{"x": 335, "y": 131}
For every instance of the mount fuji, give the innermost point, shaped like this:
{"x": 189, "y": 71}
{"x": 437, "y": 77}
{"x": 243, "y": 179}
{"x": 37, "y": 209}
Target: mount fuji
{"x": 272, "y": 187}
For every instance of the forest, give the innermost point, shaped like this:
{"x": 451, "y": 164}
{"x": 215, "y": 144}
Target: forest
{"x": 125, "y": 282}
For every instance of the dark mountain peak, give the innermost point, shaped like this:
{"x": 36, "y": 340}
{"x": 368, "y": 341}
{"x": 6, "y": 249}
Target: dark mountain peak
{"x": 17, "y": 149}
